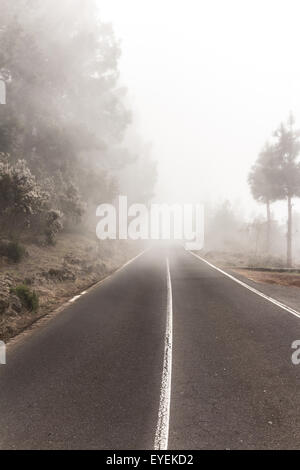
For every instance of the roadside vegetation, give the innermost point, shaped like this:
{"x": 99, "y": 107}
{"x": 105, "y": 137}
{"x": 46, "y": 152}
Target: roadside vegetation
{"x": 263, "y": 242}
{"x": 276, "y": 176}
{"x": 64, "y": 149}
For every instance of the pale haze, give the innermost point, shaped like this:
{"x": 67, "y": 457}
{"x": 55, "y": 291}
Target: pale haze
{"x": 209, "y": 82}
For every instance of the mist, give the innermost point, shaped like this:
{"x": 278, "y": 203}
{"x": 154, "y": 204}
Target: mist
{"x": 187, "y": 96}
{"x": 210, "y": 81}
{"x": 149, "y": 227}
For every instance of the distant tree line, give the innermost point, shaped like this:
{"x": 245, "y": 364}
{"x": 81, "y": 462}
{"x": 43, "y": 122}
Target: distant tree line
{"x": 276, "y": 176}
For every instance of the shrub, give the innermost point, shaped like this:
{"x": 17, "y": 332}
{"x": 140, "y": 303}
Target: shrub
{"x": 28, "y": 298}
{"x": 13, "y": 251}
{"x": 54, "y": 225}
{"x": 72, "y": 205}
{"x": 21, "y": 198}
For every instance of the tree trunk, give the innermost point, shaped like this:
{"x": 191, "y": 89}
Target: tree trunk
{"x": 268, "y": 240}
{"x": 289, "y": 233}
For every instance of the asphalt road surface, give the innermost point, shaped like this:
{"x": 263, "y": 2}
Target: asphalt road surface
{"x": 91, "y": 378}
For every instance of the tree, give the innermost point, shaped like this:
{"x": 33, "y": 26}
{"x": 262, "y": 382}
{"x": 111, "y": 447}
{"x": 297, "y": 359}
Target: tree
{"x": 286, "y": 152}
{"x": 21, "y": 198}
{"x": 264, "y": 185}
{"x": 65, "y": 81}
{"x": 63, "y": 97}
{"x": 71, "y": 204}
{"x": 223, "y": 228}
{"x": 65, "y": 114}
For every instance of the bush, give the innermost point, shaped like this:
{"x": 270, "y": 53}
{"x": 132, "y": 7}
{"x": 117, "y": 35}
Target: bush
{"x": 21, "y": 198}
{"x": 72, "y": 205}
{"x": 13, "y": 251}
{"x": 54, "y": 225}
{"x": 28, "y": 298}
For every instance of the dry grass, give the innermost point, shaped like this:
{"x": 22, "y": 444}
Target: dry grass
{"x": 244, "y": 259}
{"x": 82, "y": 262}
{"x": 283, "y": 279}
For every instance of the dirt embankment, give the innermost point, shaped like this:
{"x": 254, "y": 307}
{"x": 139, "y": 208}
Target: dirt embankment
{"x": 265, "y": 273}
{"x": 260, "y": 269}
{"x": 266, "y": 277}
{"x": 56, "y": 274}
{"x": 244, "y": 259}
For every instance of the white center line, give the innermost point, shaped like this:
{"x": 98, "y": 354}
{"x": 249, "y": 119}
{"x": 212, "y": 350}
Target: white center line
{"x": 252, "y": 289}
{"x": 162, "y": 429}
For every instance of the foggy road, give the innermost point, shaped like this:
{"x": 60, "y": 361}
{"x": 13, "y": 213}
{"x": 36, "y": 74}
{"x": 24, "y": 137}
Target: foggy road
{"x": 91, "y": 378}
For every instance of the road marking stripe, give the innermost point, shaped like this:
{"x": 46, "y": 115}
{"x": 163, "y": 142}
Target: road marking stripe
{"x": 108, "y": 277}
{"x": 45, "y": 319}
{"x": 119, "y": 269}
{"x": 75, "y": 298}
{"x": 252, "y": 289}
{"x": 162, "y": 429}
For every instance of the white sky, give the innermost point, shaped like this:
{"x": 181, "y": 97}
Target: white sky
{"x": 209, "y": 82}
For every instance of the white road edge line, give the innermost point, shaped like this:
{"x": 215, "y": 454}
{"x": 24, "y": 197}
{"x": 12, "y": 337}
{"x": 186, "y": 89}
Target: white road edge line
{"x": 111, "y": 275}
{"x": 48, "y": 317}
{"x": 252, "y": 289}
{"x": 75, "y": 298}
{"x": 162, "y": 429}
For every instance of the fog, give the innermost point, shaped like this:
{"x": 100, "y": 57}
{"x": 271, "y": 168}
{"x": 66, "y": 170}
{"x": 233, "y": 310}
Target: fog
{"x": 169, "y": 102}
{"x": 209, "y": 81}
{"x": 149, "y": 226}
